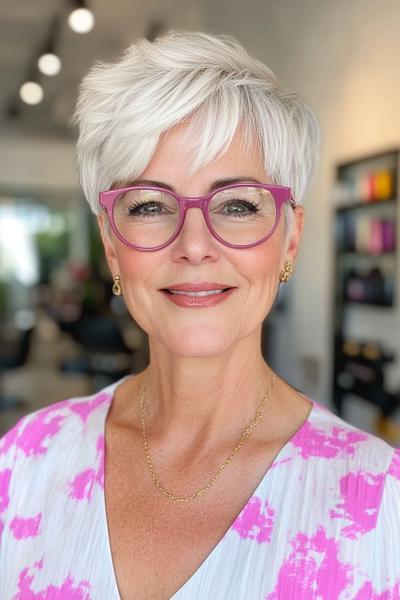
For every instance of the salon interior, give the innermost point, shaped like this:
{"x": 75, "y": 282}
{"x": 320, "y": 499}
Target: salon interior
{"x": 334, "y": 330}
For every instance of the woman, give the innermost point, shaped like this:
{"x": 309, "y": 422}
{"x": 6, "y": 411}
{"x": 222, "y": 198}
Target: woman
{"x": 205, "y": 476}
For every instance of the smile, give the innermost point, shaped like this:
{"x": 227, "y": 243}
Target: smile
{"x": 190, "y": 293}
{"x": 198, "y": 299}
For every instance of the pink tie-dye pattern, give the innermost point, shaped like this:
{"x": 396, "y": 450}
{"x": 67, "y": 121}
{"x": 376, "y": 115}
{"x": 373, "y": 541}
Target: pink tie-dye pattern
{"x": 100, "y": 447}
{"x": 25, "y": 527}
{"x": 31, "y": 436}
{"x": 9, "y": 438}
{"x": 312, "y": 571}
{"x": 31, "y": 439}
{"x": 64, "y": 592}
{"x": 254, "y": 522}
{"x": 86, "y": 407}
{"x": 361, "y": 494}
{"x": 367, "y": 592}
{"x": 82, "y": 485}
{"x": 5, "y": 478}
{"x": 315, "y": 442}
{"x": 394, "y": 469}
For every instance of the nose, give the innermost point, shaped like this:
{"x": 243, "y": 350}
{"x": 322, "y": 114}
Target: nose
{"x": 195, "y": 241}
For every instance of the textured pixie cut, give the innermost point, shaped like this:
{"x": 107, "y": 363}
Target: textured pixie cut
{"x": 209, "y": 82}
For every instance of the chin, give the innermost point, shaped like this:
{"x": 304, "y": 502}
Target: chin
{"x": 195, "y": 341}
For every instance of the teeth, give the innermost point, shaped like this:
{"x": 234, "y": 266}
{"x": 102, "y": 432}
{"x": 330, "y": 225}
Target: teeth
{"x": 202, "y": 293}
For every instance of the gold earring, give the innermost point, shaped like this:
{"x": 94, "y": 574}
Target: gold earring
{"x": 287, "y": 272}
{"x": 116, "y": 289}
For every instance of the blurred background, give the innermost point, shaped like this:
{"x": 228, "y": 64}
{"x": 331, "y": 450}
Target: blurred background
{"x": 334, "y": 332}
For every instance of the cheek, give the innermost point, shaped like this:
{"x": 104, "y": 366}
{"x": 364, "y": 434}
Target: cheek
{"x": 264, "y": 263}
{"x": 136, "y": 267}
{"x": 141, "y": 276}
{"x": 262, "y": 269}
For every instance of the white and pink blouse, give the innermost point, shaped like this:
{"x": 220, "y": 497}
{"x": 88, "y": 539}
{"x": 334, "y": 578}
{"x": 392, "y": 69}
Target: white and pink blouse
{"x": 322, "y": 524}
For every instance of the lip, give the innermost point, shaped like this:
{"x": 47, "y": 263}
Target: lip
{"x": 197, "y": 286}
{"x": 198, "y": 301}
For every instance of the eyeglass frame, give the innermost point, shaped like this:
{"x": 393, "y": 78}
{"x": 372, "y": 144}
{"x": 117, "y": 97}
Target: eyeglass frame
{"x": 281, "y": 195}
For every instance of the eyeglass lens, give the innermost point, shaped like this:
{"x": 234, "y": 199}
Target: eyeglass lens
{"x": 149, "y": 218}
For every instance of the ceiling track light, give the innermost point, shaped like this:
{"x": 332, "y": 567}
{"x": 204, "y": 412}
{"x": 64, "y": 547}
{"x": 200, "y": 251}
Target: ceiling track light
{"x": 45, "y": 61}
{"x": 49, "y": 63}
{"x": 31, "y": 92}
{"x": 81, "y": 18}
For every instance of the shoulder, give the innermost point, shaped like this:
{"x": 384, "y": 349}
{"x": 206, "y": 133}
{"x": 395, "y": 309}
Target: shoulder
{"x": 58, "y": 449}
{"x": 353, "y": 472}
{"x": 44, "y": 436}
{"x": 330, "y": 438}
{"x": 366, "y": 468}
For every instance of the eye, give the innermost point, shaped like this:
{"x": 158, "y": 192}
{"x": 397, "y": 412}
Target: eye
{"x": 134, "y": 209}
{"x": 241, "y": 207}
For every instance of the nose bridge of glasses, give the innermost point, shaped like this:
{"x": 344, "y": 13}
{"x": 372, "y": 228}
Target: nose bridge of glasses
{"x": 199, "y": 202}
{"x": 193, "y": 202}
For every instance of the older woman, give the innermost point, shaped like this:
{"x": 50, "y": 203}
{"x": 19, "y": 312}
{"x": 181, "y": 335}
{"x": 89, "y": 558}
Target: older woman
{"x": 205, "y": 476}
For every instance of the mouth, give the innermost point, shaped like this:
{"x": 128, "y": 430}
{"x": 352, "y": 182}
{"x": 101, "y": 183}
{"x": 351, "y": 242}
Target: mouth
{"x": 196, "y": 293}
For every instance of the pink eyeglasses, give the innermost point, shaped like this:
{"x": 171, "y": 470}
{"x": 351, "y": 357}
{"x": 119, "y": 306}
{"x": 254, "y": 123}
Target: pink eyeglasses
{"x": 240, "y": 215}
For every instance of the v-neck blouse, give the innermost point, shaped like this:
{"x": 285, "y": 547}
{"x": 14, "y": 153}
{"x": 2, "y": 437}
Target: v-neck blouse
{"x": 322, "y": 524}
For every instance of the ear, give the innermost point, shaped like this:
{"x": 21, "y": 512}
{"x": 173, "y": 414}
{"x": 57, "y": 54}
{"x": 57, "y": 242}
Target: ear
{"x": 293, "y": 243}
{"x": 109, "y": 247}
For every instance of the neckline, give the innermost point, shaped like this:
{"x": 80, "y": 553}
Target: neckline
{"x": 111, "y": 389}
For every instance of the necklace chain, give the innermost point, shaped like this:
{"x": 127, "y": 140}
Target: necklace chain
{"x": 221, "y": 468}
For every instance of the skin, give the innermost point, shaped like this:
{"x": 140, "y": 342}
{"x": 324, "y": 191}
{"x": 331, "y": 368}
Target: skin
{"x": 206, "y": 374}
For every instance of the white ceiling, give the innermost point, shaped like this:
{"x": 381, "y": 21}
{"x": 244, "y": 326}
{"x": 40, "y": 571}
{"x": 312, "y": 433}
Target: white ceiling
{"x": 24, "y": 26}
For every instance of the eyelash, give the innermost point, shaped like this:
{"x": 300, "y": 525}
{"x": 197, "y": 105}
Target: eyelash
{"x": 136, "y": 205}
{"x": 245, "y": 202}
{"x": 248, "y": 204}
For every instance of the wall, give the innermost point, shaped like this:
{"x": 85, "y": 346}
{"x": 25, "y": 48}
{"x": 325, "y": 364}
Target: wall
{"x": 36, "y": 162}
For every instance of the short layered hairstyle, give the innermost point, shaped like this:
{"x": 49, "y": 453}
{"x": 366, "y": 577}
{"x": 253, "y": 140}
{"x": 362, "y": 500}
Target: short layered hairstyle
{"x": 209, "y": 82}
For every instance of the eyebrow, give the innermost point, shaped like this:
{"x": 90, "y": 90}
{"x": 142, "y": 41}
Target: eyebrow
{"x": 220, "y": 183}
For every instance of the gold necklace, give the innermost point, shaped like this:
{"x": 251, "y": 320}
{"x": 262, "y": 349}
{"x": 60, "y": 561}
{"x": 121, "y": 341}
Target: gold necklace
{"x": 243, "y": 438}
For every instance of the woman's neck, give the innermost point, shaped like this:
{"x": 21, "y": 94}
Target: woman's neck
{"x": 202, "y": 400}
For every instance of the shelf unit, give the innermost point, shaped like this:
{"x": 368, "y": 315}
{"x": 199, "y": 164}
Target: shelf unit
{"x": 366, "y": 308}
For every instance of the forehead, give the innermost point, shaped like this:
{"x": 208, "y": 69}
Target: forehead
{"x": 179, "y": 147}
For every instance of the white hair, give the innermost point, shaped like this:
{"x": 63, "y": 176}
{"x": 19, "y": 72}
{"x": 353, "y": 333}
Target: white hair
{"x": 208, "y": 81}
